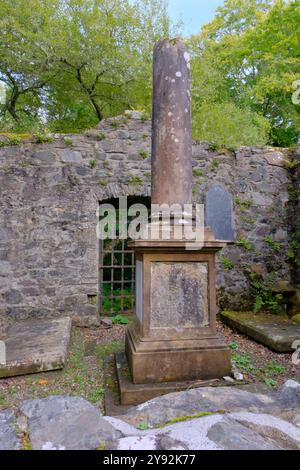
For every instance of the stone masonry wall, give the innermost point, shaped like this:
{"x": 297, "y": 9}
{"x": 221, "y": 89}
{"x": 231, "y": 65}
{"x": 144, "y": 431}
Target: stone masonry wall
{"x": 50, "y": 193}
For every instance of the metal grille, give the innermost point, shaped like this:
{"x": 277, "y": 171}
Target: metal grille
{"x": 117, "y": 271}
{"x": 117, "y": 277}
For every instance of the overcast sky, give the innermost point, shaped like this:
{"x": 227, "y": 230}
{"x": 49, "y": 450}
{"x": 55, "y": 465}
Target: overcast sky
{"x": 194, "y": 13}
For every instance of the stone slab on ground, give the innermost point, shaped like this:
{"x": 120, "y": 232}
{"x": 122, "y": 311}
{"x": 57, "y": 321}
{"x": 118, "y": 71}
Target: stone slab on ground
{"x": 36, "y": 346}
{"x": 209, "y": 418}
{"x": 61, "y": 422}
{"x": 8, "y": 437}
{"x": 274, "y": 331}
{"x": 174, "y": 406}
{"x": 215, "y": 432}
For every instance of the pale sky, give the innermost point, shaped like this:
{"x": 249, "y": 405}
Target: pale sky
{"x": 194, "y": 13}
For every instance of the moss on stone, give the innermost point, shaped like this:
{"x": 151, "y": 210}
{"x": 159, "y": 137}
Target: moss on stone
{"x": 179, "y": 419}
{"x": 296, "y": 318}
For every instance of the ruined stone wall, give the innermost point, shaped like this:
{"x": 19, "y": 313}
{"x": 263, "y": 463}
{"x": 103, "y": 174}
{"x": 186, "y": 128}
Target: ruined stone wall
{"x": 50, "y": 193}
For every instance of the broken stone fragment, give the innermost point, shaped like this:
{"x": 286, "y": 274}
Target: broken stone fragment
{"x": 228, "y": 379}
{"x": 86, "y": 321}
{"x": 106, "y": 322}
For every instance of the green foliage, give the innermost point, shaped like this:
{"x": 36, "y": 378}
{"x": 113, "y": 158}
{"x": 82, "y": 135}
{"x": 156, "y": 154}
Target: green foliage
{"x": 143, "y": 426}
{"x": 96, "y": 395}
{"x": 114, "y": 304}
{"x": 292, "y": 253}
{"x": 244, "y": 64}
{"x": 103, "y": 182}
{"x": 233, "y": 345}
{"x": 264, "y": 296}
{"x": 68, "y": 141}
{"x": 213, "y": 146}
{"x": 135, "y": 180}
{"x": 226, "y": 262}
{"x": 76, "y": 60}
{"x": 143, "y": 154}
{"x": 72, "y": 63}
{"x": 93, "y": 163}
{"x": 228, "y": 124}
{"x": 276, "y": 246}
{"x": 101, "y": 136}
{"x": 243, "y": 205}
{"x": 119, "y": 320}
{"x": 245, "y": 244}
{"x": 273, "y": 368}
{"x": 114, "y": 124}
{"x": 215, "y": 164}
{"x": 197, "y": 172}
{"x": 103, "y": 350}
{"x": 43, "y": 138}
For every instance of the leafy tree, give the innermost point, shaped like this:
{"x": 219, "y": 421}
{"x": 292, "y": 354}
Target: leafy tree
{"x": 25, "y": 65}
{"x": 248, "y": 56}
{"x": 72, "y": 62}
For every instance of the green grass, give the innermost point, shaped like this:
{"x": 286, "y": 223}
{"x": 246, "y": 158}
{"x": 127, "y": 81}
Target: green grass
{"x": 265, "y": 373}
{"x": 103, "y": 350}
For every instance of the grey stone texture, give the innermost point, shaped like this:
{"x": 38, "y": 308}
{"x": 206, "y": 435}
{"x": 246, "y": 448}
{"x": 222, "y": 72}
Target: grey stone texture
{"x": 49, "y": 194}
{"x": 179, "y": 295}
{"x": 35, "y": 346}
{"x": 223, "y": 418}
{"x": 8, "y": 436}
{"x": 276, "y": 332}
{"x": 66, "y": 423}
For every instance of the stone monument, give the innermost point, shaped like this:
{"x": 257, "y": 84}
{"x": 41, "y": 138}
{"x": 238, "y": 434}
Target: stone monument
{"x": 174, "y": 334}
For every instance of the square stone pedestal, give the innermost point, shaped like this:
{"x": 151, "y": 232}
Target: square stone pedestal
{"x": 174, "y": 336}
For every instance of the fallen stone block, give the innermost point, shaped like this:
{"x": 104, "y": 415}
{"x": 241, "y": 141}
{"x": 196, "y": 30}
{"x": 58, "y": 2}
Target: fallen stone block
{"x": 35, "y": 346}
{"x": 274, "y": 331}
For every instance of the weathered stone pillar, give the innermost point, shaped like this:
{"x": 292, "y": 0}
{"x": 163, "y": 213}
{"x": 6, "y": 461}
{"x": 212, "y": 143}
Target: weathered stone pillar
{"x": 171, "y": 125}
{"x": 174, "y": 334}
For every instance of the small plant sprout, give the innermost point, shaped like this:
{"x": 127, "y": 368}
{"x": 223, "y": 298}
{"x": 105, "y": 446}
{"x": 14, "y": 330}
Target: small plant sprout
{"x": 100, "y": 136}
{"x": 143, "y": 154}
{"x": 226, "y": 262}
{"x": 68, "y": 141}
{"x": 245, "y": 244}
{"x": 143, "y": 426}
{"x": 197, "y": 172}
{"x": 276, "y": 246}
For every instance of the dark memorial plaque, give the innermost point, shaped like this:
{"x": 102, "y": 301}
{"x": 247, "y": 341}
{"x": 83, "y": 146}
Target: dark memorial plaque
{"x": 218, "y": 213}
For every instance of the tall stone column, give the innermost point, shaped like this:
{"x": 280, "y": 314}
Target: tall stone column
{"x": 171, "y": 125}
{"x": 173, "y": 338}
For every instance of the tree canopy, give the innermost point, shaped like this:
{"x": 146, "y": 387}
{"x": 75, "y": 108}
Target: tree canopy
{"x": 67, "y": 64}
{"x": 245, "y": 63}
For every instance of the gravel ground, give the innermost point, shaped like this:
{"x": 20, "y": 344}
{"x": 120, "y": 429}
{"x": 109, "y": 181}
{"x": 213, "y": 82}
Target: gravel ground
{"x": 83, "y": 373}
{"x": 260, "y": 357}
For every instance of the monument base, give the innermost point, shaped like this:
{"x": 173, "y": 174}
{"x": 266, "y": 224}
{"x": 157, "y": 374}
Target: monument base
{"x": 135, "y": 394}
{"x": 179, "y": 360}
